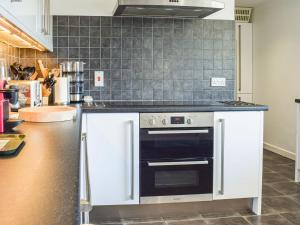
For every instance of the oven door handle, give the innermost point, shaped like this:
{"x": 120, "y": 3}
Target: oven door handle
{"x": 178, "y": 131}
{"x": 183, "y": 163}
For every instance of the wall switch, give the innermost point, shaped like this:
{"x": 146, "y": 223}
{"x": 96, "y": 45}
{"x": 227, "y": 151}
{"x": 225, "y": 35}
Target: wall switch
{"x": 99, "y": 79}
{"x": 218, "y": 82}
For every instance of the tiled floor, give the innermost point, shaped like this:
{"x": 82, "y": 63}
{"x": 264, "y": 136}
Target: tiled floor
{"x": 281, "y": 205}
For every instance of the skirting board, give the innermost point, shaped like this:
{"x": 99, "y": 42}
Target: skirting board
{"x": 281, "y": 151}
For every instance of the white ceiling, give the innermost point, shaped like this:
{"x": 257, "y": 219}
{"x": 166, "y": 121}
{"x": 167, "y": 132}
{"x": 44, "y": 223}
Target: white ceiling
{"x": 249, "y": 3}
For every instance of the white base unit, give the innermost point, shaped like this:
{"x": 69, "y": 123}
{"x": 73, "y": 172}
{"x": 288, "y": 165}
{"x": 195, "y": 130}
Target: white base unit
{"x": 238, "y": 156}
{"x": 297, "y": 167}
{"x": 113, "y": 149}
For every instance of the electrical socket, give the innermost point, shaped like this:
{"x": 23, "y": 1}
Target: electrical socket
{"x": 218, "y": 82}
{"x": 99, "y": 79}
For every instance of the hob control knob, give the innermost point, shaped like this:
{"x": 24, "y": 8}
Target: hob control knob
{"x": 152, "y": 122}
{"x": 189, "y": 121}
{"x": 164, "y": 122}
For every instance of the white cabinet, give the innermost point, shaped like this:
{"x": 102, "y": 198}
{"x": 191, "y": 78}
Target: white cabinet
{"x": 34, "y": 17}
{"x": 244, "y": 52}
{"x": 24, "y": 11}
{"x": 113, "y": 150}
{"x": 238, "y": 156}
{"x": 44, "y": 23}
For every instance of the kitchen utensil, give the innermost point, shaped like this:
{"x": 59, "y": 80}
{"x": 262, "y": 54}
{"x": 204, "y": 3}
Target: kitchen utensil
{"x": 11, "y": 144}
{"x": 34, "y": 76}
{"x": 46, "y": 114}
{"x": 20, "y": 73}
{"x": 44, "y": 70}
{"x": 49, "y": 81}
{"x": 3, "y": 70}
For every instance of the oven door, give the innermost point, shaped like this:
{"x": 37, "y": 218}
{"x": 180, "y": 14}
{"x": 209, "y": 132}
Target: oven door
{"x": 176, "y": 143}
{"x": 165, "y": 178}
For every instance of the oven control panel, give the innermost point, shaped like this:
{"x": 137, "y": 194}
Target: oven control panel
{"x": 169, "y": 120}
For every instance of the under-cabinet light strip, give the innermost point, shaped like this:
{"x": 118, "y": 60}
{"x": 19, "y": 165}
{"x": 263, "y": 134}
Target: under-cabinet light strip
{"x": 16, "y": 33}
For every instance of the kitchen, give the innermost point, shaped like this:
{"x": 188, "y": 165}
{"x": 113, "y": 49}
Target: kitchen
{"x": 142, "y": 119}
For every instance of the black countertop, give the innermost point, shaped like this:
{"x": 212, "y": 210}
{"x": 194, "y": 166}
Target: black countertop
{"x": 157, "y": 107}
{"x": 40, "y": 186}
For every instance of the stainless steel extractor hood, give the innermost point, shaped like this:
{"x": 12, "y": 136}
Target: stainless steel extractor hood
{"x": 167, "y": 8}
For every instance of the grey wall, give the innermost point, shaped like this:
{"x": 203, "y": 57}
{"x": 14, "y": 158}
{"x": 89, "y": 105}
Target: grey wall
{"x": 150, "y": 59}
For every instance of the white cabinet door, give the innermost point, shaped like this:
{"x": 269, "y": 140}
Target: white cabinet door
{"x": 24, "y": 11}
{"x": 34, "y": 17}
{"x": 244, "y": 58}
{"x": 44, "y": 23}
{"x": 82, "y": 160}
{"x": 238, "y": 155}
{"x": 113, "y": 149}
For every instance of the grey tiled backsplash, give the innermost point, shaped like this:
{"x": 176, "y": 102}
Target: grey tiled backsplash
{"x": 150, "y": 59}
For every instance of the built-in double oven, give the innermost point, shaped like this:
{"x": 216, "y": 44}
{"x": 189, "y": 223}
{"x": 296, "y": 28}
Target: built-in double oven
{"x": 176, "y": 157}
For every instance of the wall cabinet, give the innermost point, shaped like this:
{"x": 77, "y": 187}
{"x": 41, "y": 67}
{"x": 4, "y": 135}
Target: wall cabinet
{"x": 113, "y": 150}
{"x": 238, "y": 156}
{"x": 244, "y": 53}
{"x": 33, "y": 17}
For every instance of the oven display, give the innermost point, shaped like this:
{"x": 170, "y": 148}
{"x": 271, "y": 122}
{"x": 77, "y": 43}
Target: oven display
{"x": 177, "y": 120}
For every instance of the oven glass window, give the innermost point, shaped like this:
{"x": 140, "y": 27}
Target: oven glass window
{"x": 174, "y": 179}
{"x": 176, "y": 146}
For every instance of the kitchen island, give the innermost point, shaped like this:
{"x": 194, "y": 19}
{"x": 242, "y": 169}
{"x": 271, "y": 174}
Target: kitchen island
{"x": 40, "y": 185}
{"x": 125, "y": 129}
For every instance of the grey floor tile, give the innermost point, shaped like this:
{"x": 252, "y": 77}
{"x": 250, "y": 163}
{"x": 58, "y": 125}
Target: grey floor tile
{"x": 231, "y": 213}
{"x": 108, "y": 223}
{"x": 143, "y": 220}
{"x": 288, "y": 188}
{"x": 296, "y": 198}
{"x": 147, "y": 223}
{"x": 286, "y": 170}
{"x": 268, "y": 220}
{"x": 292, "y": 217}
{"x": 228, "y": 221}
{"x": 187, "y": 222}
{"x": 282, "y": 204}
{"x": 268, "y": 170}
{"x": 268, "y": 191}
{"x": 265, "y": 210}
{"x": 274, "y": 178}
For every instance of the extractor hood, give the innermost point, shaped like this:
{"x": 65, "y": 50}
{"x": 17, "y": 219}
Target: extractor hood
{"x": 168, "y": 8}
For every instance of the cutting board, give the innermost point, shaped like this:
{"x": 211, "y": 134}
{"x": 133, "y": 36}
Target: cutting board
{"x": 47, "y": 114}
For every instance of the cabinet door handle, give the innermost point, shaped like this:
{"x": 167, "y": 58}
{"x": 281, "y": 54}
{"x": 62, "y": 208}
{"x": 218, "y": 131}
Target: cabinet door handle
{"x": 42, "y": 8}
{"x": 240, "y": 57}
{"x": 221, "y": 188}
{"x": 178, "y": 132}
{"x": 131, "y": 196}
{"x": 185, "y": 163}
{"x": 86, "y": 170}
